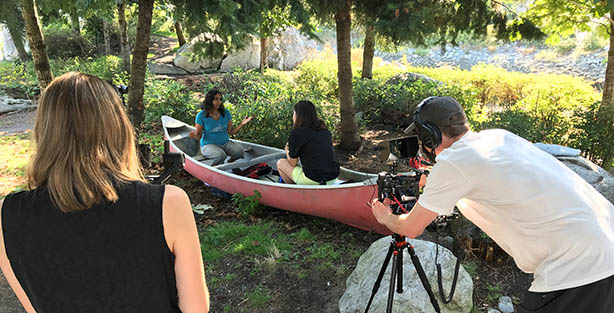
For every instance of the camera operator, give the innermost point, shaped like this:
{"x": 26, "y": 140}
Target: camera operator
{"x": 552, "y": 222}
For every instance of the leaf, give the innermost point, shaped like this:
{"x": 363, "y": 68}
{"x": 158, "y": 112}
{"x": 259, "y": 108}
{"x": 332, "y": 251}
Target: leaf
{"x": 201, "y": 208}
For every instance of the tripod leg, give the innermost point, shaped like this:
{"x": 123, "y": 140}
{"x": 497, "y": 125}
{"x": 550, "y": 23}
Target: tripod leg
{"x": 423, "y": 278}
{"x": 399, "y": 265}
{"x": 378, "y": 281}
{"x": 393, "y": 277}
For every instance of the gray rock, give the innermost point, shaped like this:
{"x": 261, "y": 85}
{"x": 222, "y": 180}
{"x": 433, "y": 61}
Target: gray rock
{"x": 506, "y": 305}
{"x": 247, "y": 58}
{"x": 184, "y": 56}
{"x": 165, "y": 69}
{"x": 491, "y": 310}
{"x": 414, "y": 298}
{"x": 558, "y": 150}
{"x": 599, "y": 178}
{"x": 289, "y": 49}
{"x": 8, "y": 104}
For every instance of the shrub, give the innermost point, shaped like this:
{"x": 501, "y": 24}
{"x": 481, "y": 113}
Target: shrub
{"x": 64, "y": 43}
{"x": 246, "y": 205}
{"x": 18, "y": 79}
{"x": 106, "y": 67}
{"x": 167, "y": 97}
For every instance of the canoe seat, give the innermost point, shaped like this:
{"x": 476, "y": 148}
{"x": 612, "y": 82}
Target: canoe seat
{"x": 199, "y": 157}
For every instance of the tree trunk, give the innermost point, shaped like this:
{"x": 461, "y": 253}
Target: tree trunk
{"x": 136, "y": 108}
{"x": 123, "y": 35}
{"x": 16, "y": 31}
{"x": 606, "y": 109}
{"x": 369, "y": 49}
{"x": 107, "y": 37}
{"x": 37, "y": 44}
{"x": 74, "y": 21}
{"x": 349, "y": 131}
{"x": 179, "y": 32}
{"x": 263, "y": 53}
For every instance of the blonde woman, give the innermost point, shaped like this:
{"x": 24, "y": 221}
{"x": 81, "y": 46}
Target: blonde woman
{"x": 91, "y": 235}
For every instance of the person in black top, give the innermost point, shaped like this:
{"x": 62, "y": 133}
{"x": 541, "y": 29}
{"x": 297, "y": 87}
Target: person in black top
{"x": 311, "y": 142}
{"x": 92, "y": 235}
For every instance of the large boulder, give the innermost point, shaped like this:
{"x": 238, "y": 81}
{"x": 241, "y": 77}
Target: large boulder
{"x": 284, "y": 52}
{"x": 289, "y": 49}
{"x": 246, "y": 58}
{"x": 183, "y": 58}
{"x": 414, "y": 298}
{"x": 599, "y": 178}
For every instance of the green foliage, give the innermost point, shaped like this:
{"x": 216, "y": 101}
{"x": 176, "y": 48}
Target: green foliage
{"x": 494, "y": 293}
{"x": 18, "y": 79}
{"x": 259, "y": 296}
{"x": 167, "y": 97}
{"x": 246, "y": 205}
{"x": 229, "y": 238}
{"x": 14, "y": 156}
{"x": 64, "y": 43}
{"x": 106, "y": 67}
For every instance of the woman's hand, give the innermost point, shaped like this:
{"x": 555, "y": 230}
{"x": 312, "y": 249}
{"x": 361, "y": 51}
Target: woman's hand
{"x": 246, "y": 120}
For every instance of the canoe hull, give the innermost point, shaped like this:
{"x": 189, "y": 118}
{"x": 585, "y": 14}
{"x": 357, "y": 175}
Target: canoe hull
{"x": 344, "y": 203}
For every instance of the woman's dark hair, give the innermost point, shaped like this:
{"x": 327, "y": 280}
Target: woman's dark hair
{"x": 207, "y": 104}
{"x": 306, "y": 116}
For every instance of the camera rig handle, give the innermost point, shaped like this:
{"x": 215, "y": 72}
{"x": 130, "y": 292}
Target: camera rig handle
{"x": 172, "y": 162}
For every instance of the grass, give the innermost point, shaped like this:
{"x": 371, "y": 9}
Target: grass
{"x": 258, "y": 297}
{"x": 13, "y": 159}
{"x": 228, "y": 238}
{"x": 494, "y": 293}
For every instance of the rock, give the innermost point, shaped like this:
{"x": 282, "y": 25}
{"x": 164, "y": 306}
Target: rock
{"x": 165, "y": 69}
{"x": 506, "y": 305}
{"x": 414, "y": 298}
{"x": 8, "y": 104}
{"x": 184, "y": 54}
{"x": 558, "y": 150}
{"x": 247, "y": 58}
{"x": 491, "y": 310}
{"x": 599, "y": 178}
{"x": 289, "y": 49}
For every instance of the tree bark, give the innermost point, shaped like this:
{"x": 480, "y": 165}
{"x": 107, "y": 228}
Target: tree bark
{"x": 37, "y": 44}
{"x": 136, "y": 108}
{"x": 263, "y": 53}
{"x": 606, "y": 109}
{"x": 180, "y": 36}
{"x": 107, "y": 37}
{"x": 368, "y": 52}
{"x": 74, "y": 21}
{"x": 349, "y": 130}
{"x": 123, "y": 35}
{"x": 16, "y": 31}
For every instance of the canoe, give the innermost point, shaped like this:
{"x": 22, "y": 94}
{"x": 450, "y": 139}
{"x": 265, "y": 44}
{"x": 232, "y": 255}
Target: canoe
{"x": 345, "y": 201}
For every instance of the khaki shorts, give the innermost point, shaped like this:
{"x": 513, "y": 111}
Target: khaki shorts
{"x": 299, "y": 178}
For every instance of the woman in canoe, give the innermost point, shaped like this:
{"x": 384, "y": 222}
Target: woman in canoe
{"x": 213, "y": 124}
{"x": 92, "y": 235}
{"x": 311, "y": 142}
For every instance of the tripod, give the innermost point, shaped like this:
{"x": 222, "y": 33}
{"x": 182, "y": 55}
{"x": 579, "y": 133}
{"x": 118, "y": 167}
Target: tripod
{"x": 396, "y": 252}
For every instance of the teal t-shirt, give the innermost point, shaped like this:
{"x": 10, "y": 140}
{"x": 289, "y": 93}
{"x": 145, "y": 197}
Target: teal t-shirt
{"x": 214, "y": 131}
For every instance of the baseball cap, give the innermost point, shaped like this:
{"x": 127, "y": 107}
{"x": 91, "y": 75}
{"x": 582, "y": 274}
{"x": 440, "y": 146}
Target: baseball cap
{"x": 442, "y": 111}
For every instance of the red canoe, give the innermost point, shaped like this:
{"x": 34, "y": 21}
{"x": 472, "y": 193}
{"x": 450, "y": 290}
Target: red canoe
{"x": 345, "y": 201}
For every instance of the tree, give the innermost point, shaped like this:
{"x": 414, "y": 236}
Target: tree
{"x": 9, "y": 14}
{"x": 123, "y": 36}
{"x": 564, "y": 18}
{"x": 37, "y": 44}
{"x": 340, "y": 12}
{"x": 136, "y": 108}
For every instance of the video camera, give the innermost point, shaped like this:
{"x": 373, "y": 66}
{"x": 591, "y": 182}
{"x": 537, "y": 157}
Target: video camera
{"x": 404, "y": 188}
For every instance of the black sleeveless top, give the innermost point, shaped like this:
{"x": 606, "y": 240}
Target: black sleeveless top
{"x": 112, "y": 257}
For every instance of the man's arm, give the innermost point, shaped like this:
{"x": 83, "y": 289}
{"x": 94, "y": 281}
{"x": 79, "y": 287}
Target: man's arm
{"x": 410, "y": 224}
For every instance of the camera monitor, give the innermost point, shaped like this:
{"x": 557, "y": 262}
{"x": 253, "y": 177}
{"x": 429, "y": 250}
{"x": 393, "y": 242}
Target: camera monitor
{"x": 398, "y": 148}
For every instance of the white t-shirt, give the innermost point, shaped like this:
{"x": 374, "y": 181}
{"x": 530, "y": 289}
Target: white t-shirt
{"x": 552, "y": 222}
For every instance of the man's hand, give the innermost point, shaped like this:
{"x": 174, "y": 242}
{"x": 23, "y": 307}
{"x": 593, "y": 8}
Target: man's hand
{"x": 380, "y": 210}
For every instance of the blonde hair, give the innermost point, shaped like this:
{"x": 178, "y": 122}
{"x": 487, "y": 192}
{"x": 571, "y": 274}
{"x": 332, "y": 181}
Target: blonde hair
{"x": 85, "y": 144}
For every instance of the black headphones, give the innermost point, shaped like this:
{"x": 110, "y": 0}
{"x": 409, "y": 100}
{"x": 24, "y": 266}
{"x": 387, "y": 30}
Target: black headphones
{"x": 428, "y": 132}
